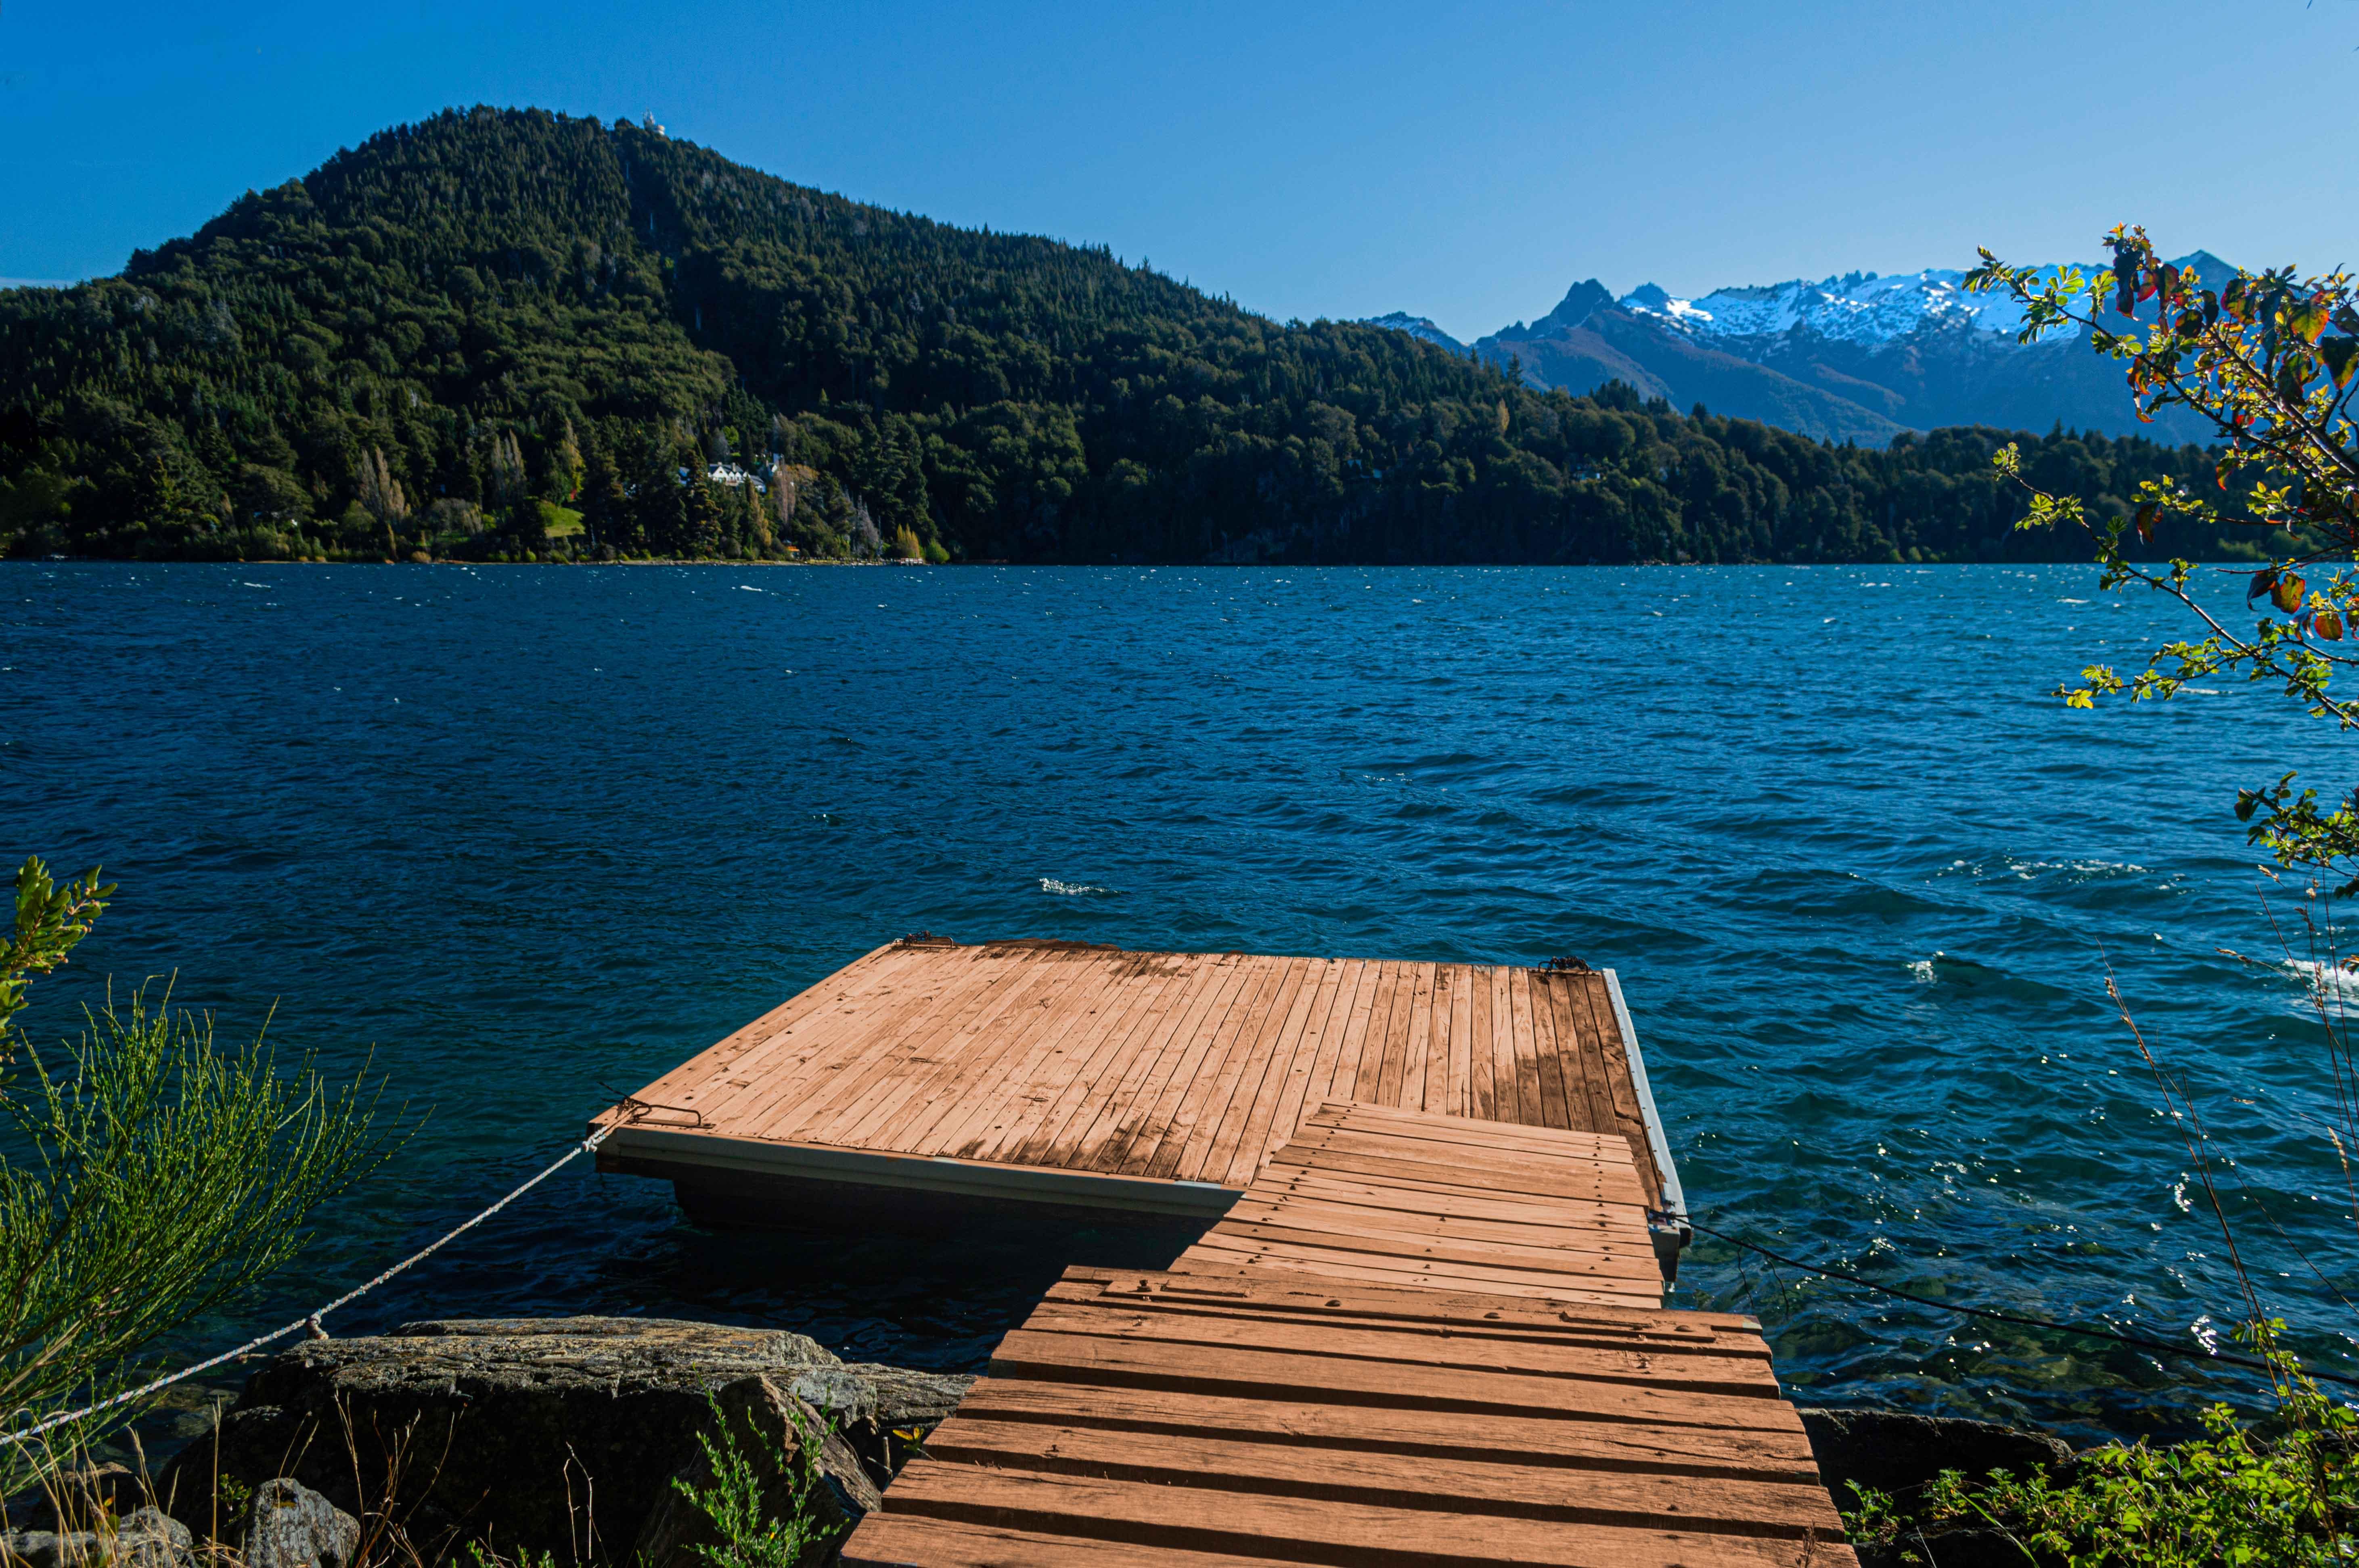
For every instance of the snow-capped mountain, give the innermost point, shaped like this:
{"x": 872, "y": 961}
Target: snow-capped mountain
{"x": 1854, "y": 357}
{"x": 1858, "y": 308}
{"x": 1418, "y": 327}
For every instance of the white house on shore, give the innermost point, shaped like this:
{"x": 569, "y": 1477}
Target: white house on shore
{"x": 730, "y": 475}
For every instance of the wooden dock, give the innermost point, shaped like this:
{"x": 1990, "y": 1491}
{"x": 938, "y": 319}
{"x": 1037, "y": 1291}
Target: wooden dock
{"x": 1422, "y": 1326}
{"x": 1419, "y": 1341}
{"x": 1063, "y": 1073}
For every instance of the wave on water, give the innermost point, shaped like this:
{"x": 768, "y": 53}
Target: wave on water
{"x": 2333, "y": 987}
{"x": 1073, "y": 890}
{"x": 2025, "y": 871}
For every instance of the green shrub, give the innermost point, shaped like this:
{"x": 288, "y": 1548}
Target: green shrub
{"x": 2283, "y": 1494}
{"x": 753, "y": 1532}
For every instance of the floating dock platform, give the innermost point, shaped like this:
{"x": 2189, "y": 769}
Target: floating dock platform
{"x": 1059, "y": 1072}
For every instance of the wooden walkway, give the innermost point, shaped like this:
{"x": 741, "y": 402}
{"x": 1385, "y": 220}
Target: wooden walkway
{"x": 1276, "y": 1399}
{"x": 1161, "y": 1081}
{"x": 1408, "y": 1198}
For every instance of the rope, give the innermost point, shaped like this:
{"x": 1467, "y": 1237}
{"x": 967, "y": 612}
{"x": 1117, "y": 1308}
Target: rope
{"x": 2021, "y": 1319}
{"x": 631, "y": 1112}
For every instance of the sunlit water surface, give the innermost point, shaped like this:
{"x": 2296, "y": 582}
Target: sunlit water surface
{"x": 531, "y": 833}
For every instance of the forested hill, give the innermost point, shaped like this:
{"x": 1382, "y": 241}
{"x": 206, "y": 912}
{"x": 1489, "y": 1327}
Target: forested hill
{"x": 509, "y": 332}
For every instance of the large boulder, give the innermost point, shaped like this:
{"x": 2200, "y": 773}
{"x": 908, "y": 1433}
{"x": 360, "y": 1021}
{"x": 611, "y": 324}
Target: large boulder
{"x": 558, "y": 1435}
{"x": 288, "y": 1525}
{"x": 1899, "y": 1451}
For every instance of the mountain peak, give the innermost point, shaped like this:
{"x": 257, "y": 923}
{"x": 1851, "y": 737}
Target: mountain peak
{"x": 1582, "y": 301}
{"x": 1415, "y": 327}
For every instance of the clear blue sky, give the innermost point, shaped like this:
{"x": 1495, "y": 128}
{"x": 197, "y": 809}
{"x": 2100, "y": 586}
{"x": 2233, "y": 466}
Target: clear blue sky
{"x": 1463, "y": 163}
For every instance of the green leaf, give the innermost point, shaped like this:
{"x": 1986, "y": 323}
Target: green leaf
{"x": 2306, "y": 319}
{"x": 2339, "y": 354}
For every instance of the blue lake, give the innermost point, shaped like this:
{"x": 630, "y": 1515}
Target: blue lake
{"x": 532, "y": 834}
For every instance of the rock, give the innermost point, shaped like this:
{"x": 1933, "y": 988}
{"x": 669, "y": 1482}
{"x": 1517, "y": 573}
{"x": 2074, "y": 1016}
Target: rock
{"x": 1897, "y": 1451}
{"x": 292, "y": 1526}
{"x": 145, "y": 1538}
{"x": 557, "y": 1435}
{"x": 768, "y": 1423}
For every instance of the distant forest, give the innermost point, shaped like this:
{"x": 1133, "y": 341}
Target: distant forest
{"x": 512, "y": 334}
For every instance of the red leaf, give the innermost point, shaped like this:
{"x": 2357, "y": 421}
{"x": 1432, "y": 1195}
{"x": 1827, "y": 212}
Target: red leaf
{"x": 2286, "y": 594}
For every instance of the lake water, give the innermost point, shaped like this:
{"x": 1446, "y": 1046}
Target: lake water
{"x": 536, "y": 833}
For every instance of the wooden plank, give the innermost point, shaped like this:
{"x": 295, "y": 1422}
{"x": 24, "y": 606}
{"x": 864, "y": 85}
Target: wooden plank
{"x": 1541, "y": 1141}
{"x": 1619, "y": 1258}
{"x": 1331, "y": 1301}
{"x": 1483, "y": 1090}
{"x": 1391, "y": 1161}
{"x": 1534, "y": 1044}
{"x": 1694, "y": 1453}
{"x": 1389, "y": 1267}
{"x": 1426, "y": 1197}
{"x": 1407, "y": 1227}
{"x": 1505, "y": 1057}
{"x": 1316, "y": 1531}
{"x": 1397, "y": 1169}
{"x": 908, "y": 1540}
{"x": 1738, "y": 1377}
{"x": 1392, "y": 1383}
{"x": 1608, "y": 1164}
{"x": 1498, "y": 1484}
{"x": 1417, "y": 1058}
{"x": 1461, "y": 1099}
{"x": 1425, "y": 1306}
{"x": 1609, "y": 1159}
{"x": 1276, "y": 1115}
{"x": 1649, "y": 1331}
